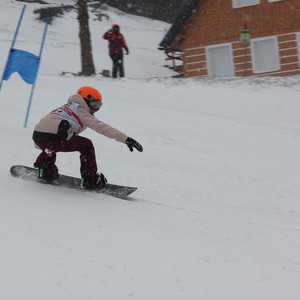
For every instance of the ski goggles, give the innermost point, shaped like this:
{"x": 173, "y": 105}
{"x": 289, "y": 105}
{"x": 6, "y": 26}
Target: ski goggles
{"x": 93, "y": 103}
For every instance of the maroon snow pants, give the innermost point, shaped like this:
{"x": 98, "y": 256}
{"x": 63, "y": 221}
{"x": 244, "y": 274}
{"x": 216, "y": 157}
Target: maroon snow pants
{"x": 88, "y": 165}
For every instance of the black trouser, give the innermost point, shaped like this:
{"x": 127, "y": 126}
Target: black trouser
{"x": 117, "y": 65}
{"x": 51, "y": 145}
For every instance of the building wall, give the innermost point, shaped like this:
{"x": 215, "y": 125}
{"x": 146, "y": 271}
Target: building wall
{"x": 217, "y": 22}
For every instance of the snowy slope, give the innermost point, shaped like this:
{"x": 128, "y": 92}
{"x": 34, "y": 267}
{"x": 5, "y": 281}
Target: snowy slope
{"x": 217, "y": 212}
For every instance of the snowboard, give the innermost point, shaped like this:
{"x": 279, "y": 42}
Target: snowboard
{"x": 31, "y": 174}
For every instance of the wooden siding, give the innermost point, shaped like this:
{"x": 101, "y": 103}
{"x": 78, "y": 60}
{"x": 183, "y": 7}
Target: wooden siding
{"x": 216, "y": 22}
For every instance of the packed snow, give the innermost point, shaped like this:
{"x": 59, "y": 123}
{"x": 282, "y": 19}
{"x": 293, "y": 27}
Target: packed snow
{"x": 217, "y": 212}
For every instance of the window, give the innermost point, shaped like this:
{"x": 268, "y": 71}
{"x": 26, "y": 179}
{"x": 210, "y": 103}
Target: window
{"x": 265, "y": 55}
{"x": 219, "y": 60}
{"x": 243, "y": 3}
{"x": 274, "y": 0}
{"x": 298, "y": 46}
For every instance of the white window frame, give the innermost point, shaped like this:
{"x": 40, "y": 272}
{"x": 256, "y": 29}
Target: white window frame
{"x": 298, "y": 46}
{"x": 229, "y": 45}
{"x": 256, "y": 68}
{"x": 238, "y": 4}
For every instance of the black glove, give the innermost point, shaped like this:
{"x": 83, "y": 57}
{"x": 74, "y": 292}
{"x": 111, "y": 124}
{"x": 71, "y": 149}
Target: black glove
{"x": 127, "y": 50}
{"x": 131, "y": 143}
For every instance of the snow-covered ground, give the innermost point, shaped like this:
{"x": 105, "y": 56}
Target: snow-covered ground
{"x": 217, "y": 212}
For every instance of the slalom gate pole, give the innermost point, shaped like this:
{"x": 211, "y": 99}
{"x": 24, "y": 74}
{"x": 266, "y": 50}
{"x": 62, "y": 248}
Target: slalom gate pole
{"x": 13, "y": 42}
{"x": 33, "y": 85}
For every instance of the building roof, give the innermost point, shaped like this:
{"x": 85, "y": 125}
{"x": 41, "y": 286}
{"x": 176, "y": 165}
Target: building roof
{"x": 184, "y": 15}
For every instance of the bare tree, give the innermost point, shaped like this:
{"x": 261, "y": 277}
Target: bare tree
{"x": 87, "y": 63}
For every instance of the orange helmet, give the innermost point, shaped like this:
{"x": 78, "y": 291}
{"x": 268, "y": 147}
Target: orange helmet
{"x": 89, "y": 93}
{"x": 115, "y": 25}
{"x": 92, "y": 97}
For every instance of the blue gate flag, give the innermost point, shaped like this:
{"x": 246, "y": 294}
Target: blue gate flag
{"x": 23, "y": 62}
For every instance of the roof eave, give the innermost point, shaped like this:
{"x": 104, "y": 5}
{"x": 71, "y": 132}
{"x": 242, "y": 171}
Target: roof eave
{"x": 184, "y": 15}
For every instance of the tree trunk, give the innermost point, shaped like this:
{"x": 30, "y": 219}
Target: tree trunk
{"x": 87, "y": 64}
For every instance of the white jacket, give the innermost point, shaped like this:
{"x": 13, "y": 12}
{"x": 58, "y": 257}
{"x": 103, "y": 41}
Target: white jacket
{"x": 77, "y": 112}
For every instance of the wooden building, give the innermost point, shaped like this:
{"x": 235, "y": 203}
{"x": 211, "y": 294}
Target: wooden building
{"x": 236, "y": 38}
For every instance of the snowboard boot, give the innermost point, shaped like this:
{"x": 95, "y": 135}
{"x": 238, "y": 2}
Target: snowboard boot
{"x": 100, "y": 182}
{"x": 48, "y": 174}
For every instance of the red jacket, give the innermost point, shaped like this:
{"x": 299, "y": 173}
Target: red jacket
{"x": 116, "y": 43}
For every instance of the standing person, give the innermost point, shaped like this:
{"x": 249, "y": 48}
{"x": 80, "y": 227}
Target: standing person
{"x": 116, "y": 43}
{"x": 59, "y": 131}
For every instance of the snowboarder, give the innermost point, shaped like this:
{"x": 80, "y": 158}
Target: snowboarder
{"x": 59, "y": 131}
{"x": 116, "y": 44}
